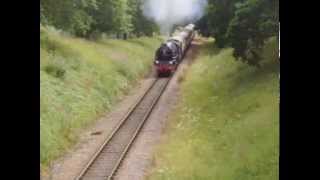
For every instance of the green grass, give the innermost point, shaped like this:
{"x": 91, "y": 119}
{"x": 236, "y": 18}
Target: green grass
{"x": 226, "y": 126}
{"x": 80, "y": 80}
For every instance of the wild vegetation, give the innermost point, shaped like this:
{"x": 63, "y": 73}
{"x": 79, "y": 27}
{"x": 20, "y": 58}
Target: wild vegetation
{"x": 91, "y": 18}
{"x": 227, "y": 120}
{"x": 226, "y": 125}
{"x": 244, "y": 25}
{"x": 80, "y": 80}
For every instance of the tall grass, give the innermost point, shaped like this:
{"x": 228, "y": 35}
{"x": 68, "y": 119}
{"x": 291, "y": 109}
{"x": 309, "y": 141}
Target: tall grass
{"x": 79, "y": 80}
{"x": 226, "y": 126}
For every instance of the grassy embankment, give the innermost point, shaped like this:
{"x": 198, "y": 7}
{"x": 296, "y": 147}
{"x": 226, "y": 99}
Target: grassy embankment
{"x": 226, "y": 126}
{"x": 80, "y": 80}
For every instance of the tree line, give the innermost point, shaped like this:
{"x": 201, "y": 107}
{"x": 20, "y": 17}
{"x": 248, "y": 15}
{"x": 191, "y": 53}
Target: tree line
{"x": 88, "y": 18}
{"x": 244, "y": 25}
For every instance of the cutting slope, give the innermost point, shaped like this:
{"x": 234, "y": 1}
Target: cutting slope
{"x": 81, "y": 79}
{"x": 226, "y": 125}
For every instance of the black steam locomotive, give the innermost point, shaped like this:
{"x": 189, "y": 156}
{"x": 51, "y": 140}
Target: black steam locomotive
{"x": 171, "y": 53}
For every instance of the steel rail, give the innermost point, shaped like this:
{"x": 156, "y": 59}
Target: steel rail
{"x": 123, "y": 121}
{"x": 138, "y": 129}
{"x": 118, "y": 127}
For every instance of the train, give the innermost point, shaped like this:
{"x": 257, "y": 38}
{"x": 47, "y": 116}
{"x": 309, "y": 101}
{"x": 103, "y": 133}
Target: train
{"x": 171, "y": 52}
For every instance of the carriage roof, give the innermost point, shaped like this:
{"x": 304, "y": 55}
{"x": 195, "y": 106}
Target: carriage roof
{"x": 177, "y": 38}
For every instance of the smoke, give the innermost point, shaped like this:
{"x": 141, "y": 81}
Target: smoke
{"x": 168, "y": 13}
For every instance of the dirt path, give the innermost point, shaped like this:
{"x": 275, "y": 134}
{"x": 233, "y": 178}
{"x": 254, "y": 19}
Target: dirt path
{"x": 138, "y": 159}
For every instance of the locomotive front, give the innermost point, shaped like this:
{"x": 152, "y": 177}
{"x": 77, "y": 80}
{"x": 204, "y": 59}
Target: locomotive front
{"x": 167, "y": 57}
{"x": 170, "y": 53}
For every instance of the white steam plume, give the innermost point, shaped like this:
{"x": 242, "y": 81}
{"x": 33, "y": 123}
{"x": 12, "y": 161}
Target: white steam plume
{"x": 167, "y": 13}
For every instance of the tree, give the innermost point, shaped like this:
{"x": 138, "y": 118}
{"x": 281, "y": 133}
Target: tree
{"x": 253, "y": 23}
{"x": 242, "y": 24}
{"x": 68, "y": 15}
{"x": 112, "y": 17}
{"x": 141, "y": 25}
{"x": 87, "y": 18}
{"x": 218, "y": 15}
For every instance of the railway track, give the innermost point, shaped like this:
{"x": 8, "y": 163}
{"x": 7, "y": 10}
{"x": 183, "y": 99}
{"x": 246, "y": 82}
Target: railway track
{"x": 107, "y": 159}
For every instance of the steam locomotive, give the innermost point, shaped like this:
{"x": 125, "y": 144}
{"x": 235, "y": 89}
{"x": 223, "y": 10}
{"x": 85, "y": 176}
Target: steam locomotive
{"x": 171, "y": 52}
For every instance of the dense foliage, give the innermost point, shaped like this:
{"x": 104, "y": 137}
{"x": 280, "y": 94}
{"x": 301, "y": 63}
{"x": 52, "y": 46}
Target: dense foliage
{"x": 244, "y": 25}
{"x": 86, "y": 18}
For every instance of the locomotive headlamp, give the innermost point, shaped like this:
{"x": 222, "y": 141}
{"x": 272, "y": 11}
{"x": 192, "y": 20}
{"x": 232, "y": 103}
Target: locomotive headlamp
{"x": 170, "y": 62}
{"x": 157, "y": 62}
